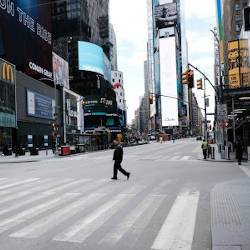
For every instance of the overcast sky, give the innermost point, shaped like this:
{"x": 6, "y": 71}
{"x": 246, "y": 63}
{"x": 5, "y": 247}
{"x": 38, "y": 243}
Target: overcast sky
{"x": 130, "y": 23}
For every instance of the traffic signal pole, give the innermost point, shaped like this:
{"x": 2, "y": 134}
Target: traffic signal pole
{"x": 205, "y": 109}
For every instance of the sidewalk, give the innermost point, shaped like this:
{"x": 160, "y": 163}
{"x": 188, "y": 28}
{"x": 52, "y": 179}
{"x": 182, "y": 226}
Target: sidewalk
{"x": 230, "y": 213}
{"x": 27, "y": 157}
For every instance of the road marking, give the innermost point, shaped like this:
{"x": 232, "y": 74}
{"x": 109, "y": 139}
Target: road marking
{"x": 80, "y": 231}
{"x": 25, "y": 202}
{"x": 245, "y": 170}
{"x": 117, "y": 233}
{"x": 174, "y": 158}
{"x": 13, "y": 197}
{"x": 91, "y": 186}
{"x": 68, "y": 185}
{"x": 157, "y": 190}
{"x": 23, "y": 216}
{"x": 44, "y": 224}
{"x": 178, "y": 229}
{"x": 19, "y": 183}
{"x": 185, "y": 158}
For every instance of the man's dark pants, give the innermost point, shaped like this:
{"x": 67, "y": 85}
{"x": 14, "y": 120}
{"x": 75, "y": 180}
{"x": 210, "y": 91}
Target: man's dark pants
{"x": 205, "y": 153}
{"x": 117, "y": 166}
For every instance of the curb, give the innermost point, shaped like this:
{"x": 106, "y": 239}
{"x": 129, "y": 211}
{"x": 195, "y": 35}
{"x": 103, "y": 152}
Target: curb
{"x": 209, "y": 160}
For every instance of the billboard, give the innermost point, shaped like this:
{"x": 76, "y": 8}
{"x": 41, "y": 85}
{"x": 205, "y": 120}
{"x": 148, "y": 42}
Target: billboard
{"x": 40, "y": 106}
{"x": 25, "y": 36}
{"x": 107, "y": 69}
{"x": 60, "y": 71}
{"x": 238, "y": 64}
{"x": 90, "y": 57}
{"x": 168, "y": 78}
{"x": 166, "y": 15}
{"x": 7, "y": 95}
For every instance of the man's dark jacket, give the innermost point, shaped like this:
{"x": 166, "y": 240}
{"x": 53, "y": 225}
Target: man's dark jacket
{"x": 118, "y": 154}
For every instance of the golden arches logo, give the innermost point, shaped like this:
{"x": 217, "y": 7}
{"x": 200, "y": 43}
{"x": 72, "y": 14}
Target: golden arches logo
{"x": 7, "y": 73}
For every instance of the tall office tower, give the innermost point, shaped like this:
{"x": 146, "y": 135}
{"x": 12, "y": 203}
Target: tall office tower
{"x": 81, "y": 36}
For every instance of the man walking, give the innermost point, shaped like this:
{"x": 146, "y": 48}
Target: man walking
{"x": 204, "y": 147}
{"x": 118, "y": 157}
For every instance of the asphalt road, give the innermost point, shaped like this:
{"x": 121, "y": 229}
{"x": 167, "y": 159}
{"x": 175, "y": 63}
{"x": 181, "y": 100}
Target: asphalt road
{"x": 71, "y": 203}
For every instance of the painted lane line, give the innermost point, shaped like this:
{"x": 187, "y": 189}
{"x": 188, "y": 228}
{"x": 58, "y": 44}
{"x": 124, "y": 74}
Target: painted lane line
{"x": 25, "y": 215}
{"x": 91, "y": 186}
{"x": 14, "y": 197}
{"x": 46, "y": 223}
{"x": 169, "y": 236}
{"x": 69, "y": 185}
{"x": 25, "y": 202}
{"x": 117, "y": 233}
{"x": 19, "y": 183}
{"x": 80, "y": 231}
{"x": 185, "y": 158}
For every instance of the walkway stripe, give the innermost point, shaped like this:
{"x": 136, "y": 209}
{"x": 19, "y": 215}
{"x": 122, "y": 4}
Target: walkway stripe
{"x": 23, "y": 216}
{"x": 43, "y": 225}
{"x": 19, "y": 183}
{"x": 178, "y": 229}
{"x": 117, "y": 233}
{"x": 174, "y": 158}
{"x": 93, "y": 185}
{"x": 25, "y": 202}
{"x": 158, "y": 189}
{"x": 13, "y": 197}
{"x": 185, "y": 158}
{"x": 69, "y": 185}
{"x": 80, "y": 231}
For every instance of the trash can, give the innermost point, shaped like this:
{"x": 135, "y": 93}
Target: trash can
{"x": 80, "y": 148}
{"x": 65, "y": 150}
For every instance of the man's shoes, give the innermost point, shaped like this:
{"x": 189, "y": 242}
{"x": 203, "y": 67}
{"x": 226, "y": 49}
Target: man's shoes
{"x": 128, "y": 175}
{"x": 113, "y": 178}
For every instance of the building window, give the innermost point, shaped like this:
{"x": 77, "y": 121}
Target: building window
{"x": 237, "y": 6}
{"x": 237, "y": 27}
{"x": 237, "y": 18}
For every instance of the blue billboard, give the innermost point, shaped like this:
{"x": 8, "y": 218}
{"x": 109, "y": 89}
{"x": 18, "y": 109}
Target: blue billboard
{"x": 40, "y": 106}
{"x": 90, "y": 57}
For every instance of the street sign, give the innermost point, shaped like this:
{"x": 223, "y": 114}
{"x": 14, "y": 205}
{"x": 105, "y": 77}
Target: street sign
{"x": 222, "y": 112}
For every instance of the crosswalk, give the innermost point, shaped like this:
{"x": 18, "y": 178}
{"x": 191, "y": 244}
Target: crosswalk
{"x": 74, "y": 211}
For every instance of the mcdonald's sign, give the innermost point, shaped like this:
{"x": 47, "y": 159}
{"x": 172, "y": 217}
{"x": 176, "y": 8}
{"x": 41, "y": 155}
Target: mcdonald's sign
{"x": 7, "y": 72}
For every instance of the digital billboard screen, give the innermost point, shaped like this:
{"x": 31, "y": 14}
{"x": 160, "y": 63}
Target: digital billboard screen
{"x": 90, "y": 57}
{"x": 40, "y": 106}
{"x": 25, "y": 36}
{"x": 168, "y": 76}
{"x": 166, "y": 15}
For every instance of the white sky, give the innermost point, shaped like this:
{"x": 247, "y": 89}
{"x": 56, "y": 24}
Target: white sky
{"x": 129, "y": 18}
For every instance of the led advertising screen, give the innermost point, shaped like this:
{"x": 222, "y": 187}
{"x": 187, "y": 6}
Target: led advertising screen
{"x": 60, "y": 71}
{"x": 90, "y": 57}
{"x": 168, "y": 76}
{"x": 166, "y": 15}
{"x": 40, "y": 106}
{"x": 25, "y": 36}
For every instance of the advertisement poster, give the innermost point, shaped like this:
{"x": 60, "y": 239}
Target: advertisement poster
{"x": 238, "y": 64}
{"x": 25, "y": 36}
{"x": 60, "y": 71}
{"x": 166, "y": 15}
{"x": 40, "y": 106}
{"x": 7, "y": 94}
{"x": 90, "y": 57}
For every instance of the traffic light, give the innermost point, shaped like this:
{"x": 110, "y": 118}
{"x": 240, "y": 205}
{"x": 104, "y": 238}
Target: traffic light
{"x": 151, "y": 101}
{"x": 199, "y": 84}
{"x": 53, "y": 126}
{"x": 185, "y": 77}
{"x": 190, "y": 78}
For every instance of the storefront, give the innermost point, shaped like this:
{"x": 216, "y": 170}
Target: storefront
{"x": 7, "y": 105}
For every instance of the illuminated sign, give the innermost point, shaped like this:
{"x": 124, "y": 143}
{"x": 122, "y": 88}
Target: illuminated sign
{"x": 7, "y": 73}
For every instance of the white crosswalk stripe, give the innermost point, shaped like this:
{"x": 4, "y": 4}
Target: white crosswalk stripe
{"x": 18, "y": 183}
{"x": 129, "y": 220}
{"x": 178, "y": 229}
{"x": 79, "y": 232}
{"x": 42, "y": 206}
{"x": 41, "y": 226}
{"x": 12, "y": 221}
